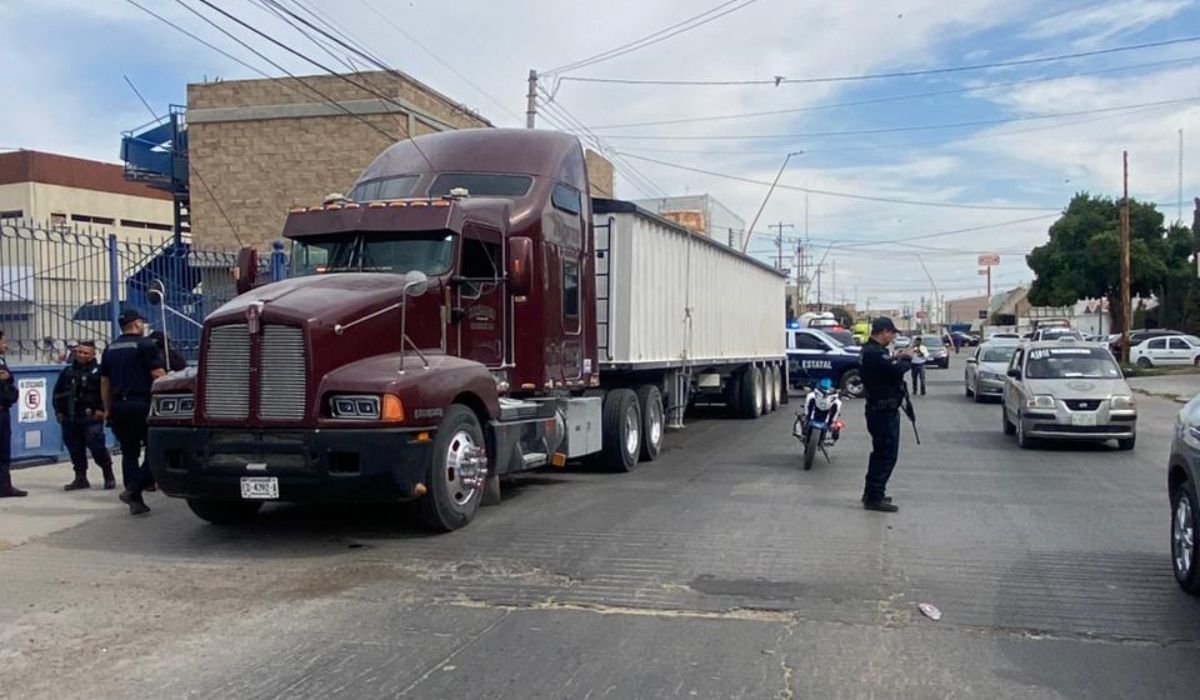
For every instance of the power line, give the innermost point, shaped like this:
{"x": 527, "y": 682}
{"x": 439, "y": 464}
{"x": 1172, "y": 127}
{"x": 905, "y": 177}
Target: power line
{"x": 560, "y": 122}
{"x": 893, "y": 98}
{"x": 844, "y": 195}
{"x": 654, "y": 37}
{"x": 910, "y": 128}
{"x": 780, "y": 80}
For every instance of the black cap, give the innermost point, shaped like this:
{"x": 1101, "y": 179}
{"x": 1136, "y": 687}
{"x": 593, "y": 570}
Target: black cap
{"x": 881, "y": 324}
{"x": 87, "y": 344}
{"x": 128, "y": 316}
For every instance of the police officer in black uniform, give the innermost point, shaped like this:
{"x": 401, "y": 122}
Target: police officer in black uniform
{"x": 128, "y": 369}
{"x": 883, "y": 380}
{"x": 80, "y": 410}
{"x": 8, "y": 396}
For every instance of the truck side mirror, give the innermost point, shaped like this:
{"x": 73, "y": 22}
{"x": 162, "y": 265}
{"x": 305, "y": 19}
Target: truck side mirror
{"x": 520, "y": 265}
{"x": 245, "y": 275}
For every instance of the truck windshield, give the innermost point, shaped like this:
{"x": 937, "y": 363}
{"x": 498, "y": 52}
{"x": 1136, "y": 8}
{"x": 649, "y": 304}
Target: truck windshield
{"x": 429, "y": 252}
{"x": 481, "y": 184}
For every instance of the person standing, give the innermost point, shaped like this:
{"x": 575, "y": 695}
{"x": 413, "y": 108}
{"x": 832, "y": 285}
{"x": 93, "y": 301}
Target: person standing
{"x": 920, "y": 356}
{"x": 883, "y": 382}
{"x": 8, "y": 396}
{"x": 127, "y": 371}
{"x": 80, "y": 410}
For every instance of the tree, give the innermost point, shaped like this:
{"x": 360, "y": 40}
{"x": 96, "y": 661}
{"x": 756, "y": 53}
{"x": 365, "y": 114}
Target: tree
{"x": 1083, "y": 256}
{"x": 843, "y": 316}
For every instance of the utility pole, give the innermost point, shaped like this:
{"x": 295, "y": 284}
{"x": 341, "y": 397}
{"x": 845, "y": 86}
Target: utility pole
{"x": 1179, "y": 211}
{"x": 1196, "y": 235}
{"x": 834, "y": 279}
{"x": 531, "y": 100}
{"x": 768, "y": 197}
{"x": 779, "y": 243}
{"x": 1126, "y": 300}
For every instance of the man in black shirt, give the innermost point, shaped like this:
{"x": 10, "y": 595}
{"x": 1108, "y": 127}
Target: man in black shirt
{"x": 883, "y": 381}
{"x": 128, "y": 369}
{"x": 80, "y": 410}
{"x": 8, "y": 396}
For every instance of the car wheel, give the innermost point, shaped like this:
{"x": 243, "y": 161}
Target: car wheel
{"x": 1009, "y": 428}
{"x": 1144, "y": 362}
{"x": 1023, "y": 440}
{"x": 1185, "y": 549}
{"x": 975, "y": 393}
{"x": 1127, "y": 444}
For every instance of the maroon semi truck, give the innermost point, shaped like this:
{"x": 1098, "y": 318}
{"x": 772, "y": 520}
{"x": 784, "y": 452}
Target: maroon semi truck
{"x": 456, "y": 317}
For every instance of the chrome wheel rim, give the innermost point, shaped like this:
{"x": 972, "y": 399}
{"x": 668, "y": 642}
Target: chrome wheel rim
{"x": 655, "y": 420}
{"x": 631, "y": 432}
{"x": 760, "y": 396}
{"x": 466, "y": 468}
{"x": 1183, "y": 534}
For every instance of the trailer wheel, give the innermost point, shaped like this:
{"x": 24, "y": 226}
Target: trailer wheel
{"x": 457, "y": 474}
{"x": 772, "y": 379}
{"x": 653, "y": 425}
{"x": 224, "y": 512}
{"x": 622, "y": 426}
{"x": 750, "y": 384}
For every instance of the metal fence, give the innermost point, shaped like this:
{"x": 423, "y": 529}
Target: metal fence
{"x": 59, "y": 285}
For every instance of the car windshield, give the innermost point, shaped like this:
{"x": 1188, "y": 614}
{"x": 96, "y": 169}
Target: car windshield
{"x": 481, "y": 184}
{"x": 931, "y": 341}
{"x": 430, "y": 252}
{"x": 1071, "y": 363}
{"x": 1058, "y": 333}
{"x": 1002, "y": 354}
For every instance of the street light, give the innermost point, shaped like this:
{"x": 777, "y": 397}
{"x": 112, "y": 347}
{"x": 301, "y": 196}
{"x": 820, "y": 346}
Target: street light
{"x": 750, "y": 231}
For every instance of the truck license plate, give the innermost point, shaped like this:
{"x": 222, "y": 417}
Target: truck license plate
{"x": 1084, "y": 419}
{"x": 262, "y": 488}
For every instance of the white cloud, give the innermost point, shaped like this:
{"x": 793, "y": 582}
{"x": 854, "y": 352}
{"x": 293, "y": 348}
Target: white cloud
{"x": 1097, "y": 24}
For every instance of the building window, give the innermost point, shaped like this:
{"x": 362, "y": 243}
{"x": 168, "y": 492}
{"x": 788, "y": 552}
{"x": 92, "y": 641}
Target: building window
{"x": 570, "y": 289}
{"x": 133, "y": 223}
{"x": 57, "y": 219}
{"x": 87, "y": 219}
{"x": 983, "y": 314}
{"x": 12, "y": 214}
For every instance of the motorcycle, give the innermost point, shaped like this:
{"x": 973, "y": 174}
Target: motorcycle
{"x": 819, "y": 424}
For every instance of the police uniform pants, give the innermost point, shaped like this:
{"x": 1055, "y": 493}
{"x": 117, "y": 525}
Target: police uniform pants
{"x": 5, "y": 450}
{"x": 918, "y": 373}
{"x": 129, "y": 427}
{"x": 83, "y": 436}
{"x": 884, "y": 427}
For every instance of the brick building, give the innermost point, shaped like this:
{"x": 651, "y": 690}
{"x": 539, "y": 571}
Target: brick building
{"x": 260, "y": 147}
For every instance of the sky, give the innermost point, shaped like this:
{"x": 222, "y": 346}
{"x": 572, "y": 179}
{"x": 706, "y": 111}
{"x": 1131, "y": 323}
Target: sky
{"x": 970, "y": 161}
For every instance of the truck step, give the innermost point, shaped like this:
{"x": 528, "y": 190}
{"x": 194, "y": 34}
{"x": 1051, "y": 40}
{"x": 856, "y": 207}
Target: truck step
{"x": 535, "y": 459}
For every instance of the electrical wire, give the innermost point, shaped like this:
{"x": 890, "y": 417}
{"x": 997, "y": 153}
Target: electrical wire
{"x": 894, "y": 98}
{"x": 654, "y": 37}
{"x": 780, "y": 80}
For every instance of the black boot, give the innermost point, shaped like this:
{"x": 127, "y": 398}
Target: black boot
{"x": 110, "y": 480}
{"x": 79, "y": 483}
{"x": 7, "y": 490}
{"x": 886, "y": 499}
{"x": 134, "y": 500}
{"x": 881, "y": 506}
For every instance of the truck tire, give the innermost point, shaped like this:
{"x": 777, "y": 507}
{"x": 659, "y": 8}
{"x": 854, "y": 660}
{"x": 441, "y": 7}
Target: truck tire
{"x": 750, "y": 393}
{"x": 650, "y": 402}
{"x": 457, "y": 472}
{"x": 771, "y": 381}
{"x": 622, "y": 426}
{"x": 224, "y": 512}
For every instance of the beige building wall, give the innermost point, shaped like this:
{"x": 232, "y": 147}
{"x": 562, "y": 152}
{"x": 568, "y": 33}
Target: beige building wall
{"x": 261, "y": 147}
{"x": 89, "y": 210}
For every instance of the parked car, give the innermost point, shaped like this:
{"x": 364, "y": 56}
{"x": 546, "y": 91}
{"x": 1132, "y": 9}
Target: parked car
{"x": 1165, "y": 351}
{"x": 1138, "y": 337}
{"x": 1004, "y": 336}
{"x": 939, "y": 354}
{"x": 986, "y": 369}
{"x": 1183, "y": 489}
{"x": 814, "y": 355}
{"x": 1056, "y": 333}
{"x": 1068, "y": 391}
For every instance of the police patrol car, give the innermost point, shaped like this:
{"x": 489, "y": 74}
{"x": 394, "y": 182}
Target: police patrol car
{"x": 813, "y": 355}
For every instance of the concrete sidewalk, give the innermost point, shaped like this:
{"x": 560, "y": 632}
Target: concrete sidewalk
{"x": 1180, "y": 388}
{"x": 48, "y": 509}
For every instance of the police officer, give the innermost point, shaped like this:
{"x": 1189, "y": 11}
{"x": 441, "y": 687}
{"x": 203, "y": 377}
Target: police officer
{"x": 128, "y": 369}
{"x": 80, "y": 410}
{"x": 8, "y": 396}
{"x": 883, "y": 380}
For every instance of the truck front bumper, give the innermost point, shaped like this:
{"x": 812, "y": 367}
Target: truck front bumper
{"x": 324, "y": 466}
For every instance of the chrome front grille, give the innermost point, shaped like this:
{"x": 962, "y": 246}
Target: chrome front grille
{"x": 227, "y": 372}
{"x": 282, "y": 373}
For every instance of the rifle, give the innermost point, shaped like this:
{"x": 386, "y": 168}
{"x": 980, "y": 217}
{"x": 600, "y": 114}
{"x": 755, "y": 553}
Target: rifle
{"x": 907, "y": 406}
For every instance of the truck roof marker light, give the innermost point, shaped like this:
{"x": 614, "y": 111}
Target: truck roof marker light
{"x": 392, "y": 409}
{"x": 397, "y": 204}
{"x": 332, "y": 206}
{"x": 297, "y": 210}
{"x": 376, "y": 205}
{"x": 418, "y": 203}
{"x": 353, "y": 205}
{"x": 441, "y": 203}
{"x": 528, "y": 387}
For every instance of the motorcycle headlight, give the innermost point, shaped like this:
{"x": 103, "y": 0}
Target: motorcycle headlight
{"x": 1040, "y": 401}
{"x": 174, "y": 406}
{"x": 1122, "y": 403}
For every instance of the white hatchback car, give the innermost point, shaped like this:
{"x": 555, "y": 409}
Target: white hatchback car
{"x": 1165, "y": 351}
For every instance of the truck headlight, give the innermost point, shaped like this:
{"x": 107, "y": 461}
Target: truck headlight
{"x": 1040, "y": 401}
{"x": 1122, "y": 403}
{"x": 356, "y": 406}
{"x": 173, "y": 406}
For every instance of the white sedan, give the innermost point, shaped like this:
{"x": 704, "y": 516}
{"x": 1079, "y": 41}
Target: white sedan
{"x": 1166, "y": 351}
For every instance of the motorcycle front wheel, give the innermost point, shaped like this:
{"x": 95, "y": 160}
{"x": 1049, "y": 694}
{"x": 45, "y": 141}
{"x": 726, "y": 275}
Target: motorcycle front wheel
{"x": 810, "y": 448}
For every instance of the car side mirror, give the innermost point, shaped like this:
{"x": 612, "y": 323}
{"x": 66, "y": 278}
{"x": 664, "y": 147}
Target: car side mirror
{"x": 971, "y": 361}
{"x": 520, "y": 265}
{"x": 246, "y": 273}
{"x": 1014, "y": 373}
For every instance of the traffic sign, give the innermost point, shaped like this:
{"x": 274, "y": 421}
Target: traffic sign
{"x": 989, "y": 259}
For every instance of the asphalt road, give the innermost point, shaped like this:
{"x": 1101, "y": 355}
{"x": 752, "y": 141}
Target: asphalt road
{"x": 720, "y": 571}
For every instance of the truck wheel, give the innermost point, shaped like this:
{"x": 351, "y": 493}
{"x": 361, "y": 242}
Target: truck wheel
{"x": 852, "y": 383}
{"x": 224, "y": 512}
{"x": 622, "y": 426}
{"x": 751, "y": 393}
{"x": 771, "y": 376}
{"x": 650, "y": 402}
{"x": 457, "y": 474}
